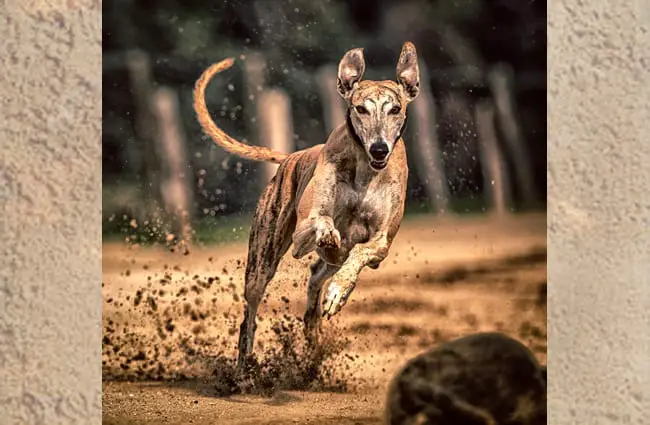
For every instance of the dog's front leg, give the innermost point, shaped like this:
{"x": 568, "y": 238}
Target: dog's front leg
{"x": 343, "y": 283}
{"x": 315, "y": 231}
{"x": 315, "y": 226}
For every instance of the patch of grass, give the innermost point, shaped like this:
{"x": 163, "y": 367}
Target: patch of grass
{"x": 468, "y": 206}
{"x": 206, "y": 231}
{"x": 222, "y": 229}
{"x": 225, "y": 229}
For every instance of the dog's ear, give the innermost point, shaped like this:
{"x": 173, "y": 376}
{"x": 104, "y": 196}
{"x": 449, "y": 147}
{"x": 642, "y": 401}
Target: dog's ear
{"x": 351, "y": 69}
{"x": 408, "y": 72}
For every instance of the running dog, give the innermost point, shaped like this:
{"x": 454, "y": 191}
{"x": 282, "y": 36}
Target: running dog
{"x": 343, "y": 199}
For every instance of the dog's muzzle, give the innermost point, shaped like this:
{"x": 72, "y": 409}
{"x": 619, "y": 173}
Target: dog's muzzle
{"x": 378, "y": 155}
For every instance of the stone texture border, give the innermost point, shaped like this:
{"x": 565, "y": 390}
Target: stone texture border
{"x": 50, "y": 212}
{"x": 599, "y": 212}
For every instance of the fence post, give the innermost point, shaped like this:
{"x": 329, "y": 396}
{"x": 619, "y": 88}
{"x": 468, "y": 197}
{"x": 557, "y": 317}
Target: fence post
{"x": 496, "y": 182}
{"x": 501, "y": 81}
{"x": 254, "y": 77}
{"x": 275, "y": 125}
{"x": 139, "y": 68}
{"x": 175, "y": 170}
{"x": 428, "y": 147}
{"x": 333, "y": 105}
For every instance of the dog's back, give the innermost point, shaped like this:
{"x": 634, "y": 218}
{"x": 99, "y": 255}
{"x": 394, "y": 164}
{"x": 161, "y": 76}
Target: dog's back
{"x": 482, "y": 379}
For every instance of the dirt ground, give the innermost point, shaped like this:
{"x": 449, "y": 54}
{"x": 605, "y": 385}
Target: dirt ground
{"x": 171, "y": 320}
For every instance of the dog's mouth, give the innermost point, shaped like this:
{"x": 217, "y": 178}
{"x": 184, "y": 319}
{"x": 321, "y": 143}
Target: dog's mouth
{"x": 378, "y": 165}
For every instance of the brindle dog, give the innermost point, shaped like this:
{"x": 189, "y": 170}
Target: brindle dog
{"x": 343, "y": 199}
{"x": 480, "y": 379}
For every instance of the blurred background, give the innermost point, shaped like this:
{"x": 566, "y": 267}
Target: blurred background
{"x": 476, "y": 137}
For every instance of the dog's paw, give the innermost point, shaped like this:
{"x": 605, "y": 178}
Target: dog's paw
{"x": 327, "y": 235}
{"x": 335, "y": 299}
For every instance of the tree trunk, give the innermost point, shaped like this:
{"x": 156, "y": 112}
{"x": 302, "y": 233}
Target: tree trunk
{"x": 428, "y": 158}
{"x": 501, "y": 82}
{"x": 333, "y": 104}
{"x": 496, "y": 182}
{"x": 275, "y": 124}
{"x": 139, "y": 69}
{"x": 255, "y": 76}
{"x": 175, "y": 170}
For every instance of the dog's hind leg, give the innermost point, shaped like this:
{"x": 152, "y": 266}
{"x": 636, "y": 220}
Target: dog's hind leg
{"x": 320, "y": 273}
{"x": 270, "y": 238}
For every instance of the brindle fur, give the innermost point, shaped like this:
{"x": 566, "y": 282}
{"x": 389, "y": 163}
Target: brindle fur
{"x": 480, "y": 379}
{"x": 343, "y": 199}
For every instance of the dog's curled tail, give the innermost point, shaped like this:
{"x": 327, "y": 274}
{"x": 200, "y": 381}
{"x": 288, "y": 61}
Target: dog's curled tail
{"x": 232, "y": 145}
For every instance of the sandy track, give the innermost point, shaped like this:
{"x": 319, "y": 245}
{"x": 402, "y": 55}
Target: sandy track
{"x": 443, "y": 279}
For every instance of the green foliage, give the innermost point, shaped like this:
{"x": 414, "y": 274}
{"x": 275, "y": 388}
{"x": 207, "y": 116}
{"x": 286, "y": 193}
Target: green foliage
{"x": 222, "y": 229}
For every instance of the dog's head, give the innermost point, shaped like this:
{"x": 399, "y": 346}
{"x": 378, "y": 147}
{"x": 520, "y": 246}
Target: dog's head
{"x": 377, "y": 109}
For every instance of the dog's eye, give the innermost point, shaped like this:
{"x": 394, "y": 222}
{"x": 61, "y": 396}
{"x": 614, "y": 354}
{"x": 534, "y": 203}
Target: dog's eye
{"x": 395, "y": 110}
{"x": 361, "y": 110}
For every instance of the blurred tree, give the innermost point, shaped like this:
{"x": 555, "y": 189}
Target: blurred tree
{"x": 297, "y": 37}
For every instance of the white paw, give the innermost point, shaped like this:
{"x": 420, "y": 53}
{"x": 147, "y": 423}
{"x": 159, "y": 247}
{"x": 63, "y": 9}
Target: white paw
{"x": 335, "y": 299}
{"x": 327, "y": 236}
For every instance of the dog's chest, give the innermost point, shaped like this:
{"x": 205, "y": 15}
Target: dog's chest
{"x": 360, "y": 210}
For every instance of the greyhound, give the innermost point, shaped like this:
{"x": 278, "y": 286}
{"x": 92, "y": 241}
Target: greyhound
{"x": 343, "y": 199}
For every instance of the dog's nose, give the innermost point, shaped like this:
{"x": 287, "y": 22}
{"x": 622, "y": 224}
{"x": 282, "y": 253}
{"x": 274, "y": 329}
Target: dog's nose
{"x": 379, "y": 151}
